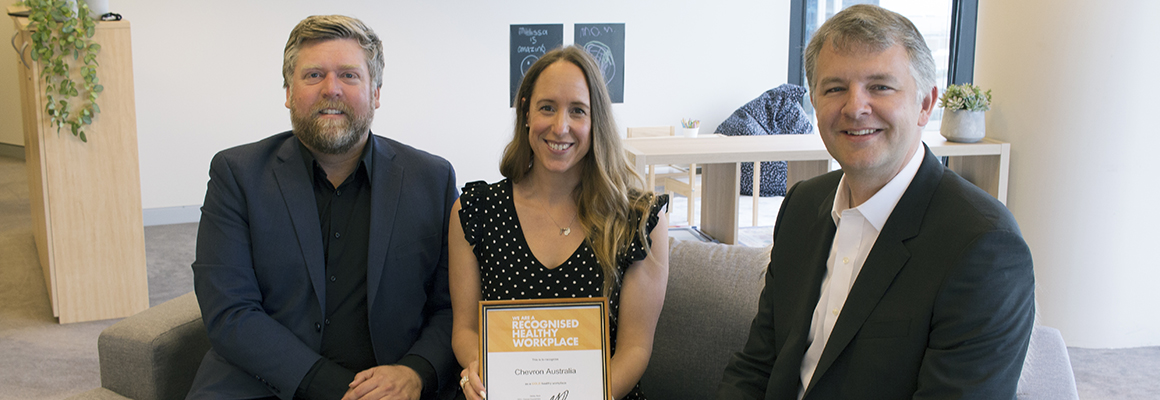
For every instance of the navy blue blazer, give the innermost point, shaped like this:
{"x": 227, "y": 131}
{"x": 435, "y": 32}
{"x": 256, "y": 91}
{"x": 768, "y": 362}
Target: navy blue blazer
{"x": 942, "y": 308}
{"x": 259, "y": 267}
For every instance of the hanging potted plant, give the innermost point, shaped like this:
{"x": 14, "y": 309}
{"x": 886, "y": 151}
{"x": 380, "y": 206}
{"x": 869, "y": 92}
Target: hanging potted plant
{"x": 62, "y": 32}
{"x": 963, "y": 108}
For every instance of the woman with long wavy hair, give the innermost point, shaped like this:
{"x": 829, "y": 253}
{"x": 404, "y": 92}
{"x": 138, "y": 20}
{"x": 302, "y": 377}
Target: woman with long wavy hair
{"x": 569, "y": 220}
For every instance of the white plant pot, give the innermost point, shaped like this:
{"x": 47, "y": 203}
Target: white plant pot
{"x": 963, "y": 126}
{"x": 98, "y": 7}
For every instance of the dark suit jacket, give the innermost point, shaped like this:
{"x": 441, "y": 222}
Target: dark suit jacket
{"x": 259, "y": 268}
{"x": 942, "y": 308}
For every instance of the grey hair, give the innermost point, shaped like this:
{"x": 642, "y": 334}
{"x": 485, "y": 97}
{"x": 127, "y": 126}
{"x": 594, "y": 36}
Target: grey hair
{"x": 873, "y": 28}
{"x": 330, "y": 27}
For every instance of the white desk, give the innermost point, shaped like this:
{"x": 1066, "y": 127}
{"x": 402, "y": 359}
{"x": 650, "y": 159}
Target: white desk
{"x": 984, "y": 163}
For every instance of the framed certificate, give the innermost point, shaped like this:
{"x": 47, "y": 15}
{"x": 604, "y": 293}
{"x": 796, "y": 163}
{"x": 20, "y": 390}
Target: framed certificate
{"x": 547, "y": 349}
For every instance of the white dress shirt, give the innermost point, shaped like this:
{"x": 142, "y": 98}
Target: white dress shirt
{"x": 858, "y": 229}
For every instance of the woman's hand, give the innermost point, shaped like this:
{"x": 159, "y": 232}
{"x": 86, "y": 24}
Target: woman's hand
{"x": 473, "y": 386}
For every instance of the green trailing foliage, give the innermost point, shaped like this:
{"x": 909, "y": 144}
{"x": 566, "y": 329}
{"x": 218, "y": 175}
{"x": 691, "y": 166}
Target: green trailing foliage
{"x": 965, "y": 97}
{"x": 58, "y": 35}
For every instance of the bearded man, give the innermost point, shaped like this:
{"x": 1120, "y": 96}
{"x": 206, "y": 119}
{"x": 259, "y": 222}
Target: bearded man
{"x": 321, "y": 267}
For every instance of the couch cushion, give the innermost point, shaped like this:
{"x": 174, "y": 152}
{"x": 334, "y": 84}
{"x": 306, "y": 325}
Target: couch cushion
{"x": 709, "y": 305}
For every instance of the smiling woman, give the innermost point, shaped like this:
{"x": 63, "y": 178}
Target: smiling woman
{"x": 566, "y": 172}
{"x": 559, "y": 121}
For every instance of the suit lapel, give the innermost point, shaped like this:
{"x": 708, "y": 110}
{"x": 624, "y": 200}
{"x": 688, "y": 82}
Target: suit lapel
{"x": 885, "y": 259}
{"x": 386, "y": 188}
{"x": 294, "y": 183}
{"x": 803, "y": 290}
{"x": 824, "y": 230}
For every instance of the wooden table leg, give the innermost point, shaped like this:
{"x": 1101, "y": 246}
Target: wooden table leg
{"x": 721, "y": 190}
{"x": 756, "y": 192}
{"x": 797, "y": 171}
{"x": 694, "y": 193}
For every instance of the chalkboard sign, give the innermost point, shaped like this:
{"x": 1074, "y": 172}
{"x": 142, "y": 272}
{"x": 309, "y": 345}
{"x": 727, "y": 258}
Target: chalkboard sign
{"x": 528, "y": 44}
{"x": 605, "y": 42}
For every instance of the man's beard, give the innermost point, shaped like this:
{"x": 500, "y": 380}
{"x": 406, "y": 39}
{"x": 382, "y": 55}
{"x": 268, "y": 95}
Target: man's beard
{"x": 330, "y": 136}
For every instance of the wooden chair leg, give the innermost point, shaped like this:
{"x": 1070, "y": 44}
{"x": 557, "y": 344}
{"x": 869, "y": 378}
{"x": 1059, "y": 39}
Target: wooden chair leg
{"x": 652, "y": 178}
{"x": 669, "y": 209}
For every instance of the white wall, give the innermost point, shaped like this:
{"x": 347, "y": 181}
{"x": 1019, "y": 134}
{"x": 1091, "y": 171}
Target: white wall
{"x": 1072, "y": 94}
{"x": 1075, "y": 96}
{"x": 11, "y": 130}
{"x": 208, "y": 73}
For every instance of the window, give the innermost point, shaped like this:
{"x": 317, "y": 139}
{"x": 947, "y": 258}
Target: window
{"x": 947, "y": 25}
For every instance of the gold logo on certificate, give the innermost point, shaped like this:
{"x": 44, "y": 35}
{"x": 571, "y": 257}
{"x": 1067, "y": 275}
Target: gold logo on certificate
{"x": 550, "y": 349}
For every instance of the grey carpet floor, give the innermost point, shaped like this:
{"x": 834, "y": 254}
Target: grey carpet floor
{"x": 42, "y": 359}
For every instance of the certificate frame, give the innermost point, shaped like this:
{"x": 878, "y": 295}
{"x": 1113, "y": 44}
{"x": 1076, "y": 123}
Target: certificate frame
{"x": 545, "y": 349}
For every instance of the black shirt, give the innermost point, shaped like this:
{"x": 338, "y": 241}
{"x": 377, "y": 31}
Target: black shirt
{"x": 344, "y": 219}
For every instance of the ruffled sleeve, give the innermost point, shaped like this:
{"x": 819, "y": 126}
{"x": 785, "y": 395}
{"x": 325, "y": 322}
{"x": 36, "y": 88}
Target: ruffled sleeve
{"x": 471, "y": 203}
{"x": 637, "y": 251}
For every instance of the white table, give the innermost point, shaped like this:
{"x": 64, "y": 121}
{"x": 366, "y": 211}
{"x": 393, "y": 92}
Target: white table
{"x": 984, "y": 163}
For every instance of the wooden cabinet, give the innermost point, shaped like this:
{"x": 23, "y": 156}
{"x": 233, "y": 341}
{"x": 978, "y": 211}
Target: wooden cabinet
{"x": 86, "y": 197}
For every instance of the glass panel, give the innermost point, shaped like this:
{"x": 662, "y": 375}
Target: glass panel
{"x": 931, "y": 17}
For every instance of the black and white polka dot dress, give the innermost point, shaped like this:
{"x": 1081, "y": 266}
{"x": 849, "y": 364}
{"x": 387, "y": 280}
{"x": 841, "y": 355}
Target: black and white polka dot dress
{"x": 509, "y": 271}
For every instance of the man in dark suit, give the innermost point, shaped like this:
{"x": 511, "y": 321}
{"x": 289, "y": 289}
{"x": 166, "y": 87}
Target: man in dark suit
{"x": 321, "y": 265}
{"x": 893, "y": 278}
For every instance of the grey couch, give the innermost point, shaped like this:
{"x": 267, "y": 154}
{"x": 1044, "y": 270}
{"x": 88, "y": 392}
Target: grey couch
{"x": 153, "y": 354}
{"x": 711, "y": 300}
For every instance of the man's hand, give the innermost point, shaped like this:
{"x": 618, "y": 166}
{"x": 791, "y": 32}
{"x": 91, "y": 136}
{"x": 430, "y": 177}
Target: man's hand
{"x": 394, "y": 382}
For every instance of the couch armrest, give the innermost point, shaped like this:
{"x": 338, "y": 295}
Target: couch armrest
{"x": 1047, "y": 372}
{"x": 155, "y": 353}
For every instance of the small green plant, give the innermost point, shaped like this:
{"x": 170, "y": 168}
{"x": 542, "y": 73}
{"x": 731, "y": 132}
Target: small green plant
{"x": 965, "y": 97}
{"x": 57, "y": 33}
